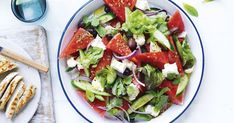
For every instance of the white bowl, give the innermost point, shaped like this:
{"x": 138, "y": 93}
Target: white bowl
{"x": 83, "y": 108}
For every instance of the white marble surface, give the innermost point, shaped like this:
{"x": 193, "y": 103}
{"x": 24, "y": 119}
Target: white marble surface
{"x": 214, "y": 102}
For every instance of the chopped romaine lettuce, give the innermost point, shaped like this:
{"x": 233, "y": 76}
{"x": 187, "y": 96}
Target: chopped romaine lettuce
{"x": 90, "y": 57}
{"x": 108, "y": 75}
{"x": 119, "y": 88}
{"x": 137, "y": 22}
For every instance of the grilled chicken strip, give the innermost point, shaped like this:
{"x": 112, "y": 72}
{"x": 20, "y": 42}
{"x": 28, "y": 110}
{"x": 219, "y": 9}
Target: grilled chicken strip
{"x": 5, "y": 82}
{"x": 9, "y": 91}
{"x": 6, "y": 65}
{"x": 27, "y": 96}
{"x": 10, "y": 111}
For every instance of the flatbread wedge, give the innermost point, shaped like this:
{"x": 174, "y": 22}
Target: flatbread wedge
{"x": 6, "y": 65}
{"x": 5, "y": 82}
{"x": 27, "y": 96}
{"x": 9, "y": 91}
{"x": 10, "y": 111}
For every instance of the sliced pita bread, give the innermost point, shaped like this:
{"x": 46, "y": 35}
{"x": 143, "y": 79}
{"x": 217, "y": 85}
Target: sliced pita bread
{"x": 5, "y": 82}
{"x": 6, "y": 65}
{"x": 10, "y": 111}
{"x": 27, "y": 96}
{"x": 9, "y": 91}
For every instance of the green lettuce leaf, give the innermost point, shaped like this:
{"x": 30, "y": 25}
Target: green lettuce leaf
{"x": 108, "y": 75}
{"x": 138, "y": 23}
{"x": 90, "y": 57}
{"x": 118, "y": 88}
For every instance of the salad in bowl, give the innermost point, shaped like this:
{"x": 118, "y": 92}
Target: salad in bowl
{"x": 130, "y": 61}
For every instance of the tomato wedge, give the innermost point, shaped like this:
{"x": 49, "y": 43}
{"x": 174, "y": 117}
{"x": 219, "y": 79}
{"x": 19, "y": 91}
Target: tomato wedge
{"x": 105, "y": 40}
{"x": 118, "y": 7}
{"x": 80, "y": 40}
{"x": 114, "y": 22}
{"x": 156, "y": 59}
{"x": 104, "y": 61}
{"x": 176, "y": 22}
{"x": 172, "y": 92}
{"x": 95, "y": 105}
{"x": 119, "y": 45}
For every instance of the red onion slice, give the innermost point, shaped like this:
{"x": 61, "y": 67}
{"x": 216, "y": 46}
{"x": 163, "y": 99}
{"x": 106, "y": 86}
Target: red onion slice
{"x": 102, "y": 108}
{"x": 174, "y": 30}
{"x": 127, "y": 115}
{"x": 125, "y": 57}
{"x": 135, "y": 52}
{"x": 135, "y": 77}
{"x": 152, "y": 13}
{"x": 84, "y": 78}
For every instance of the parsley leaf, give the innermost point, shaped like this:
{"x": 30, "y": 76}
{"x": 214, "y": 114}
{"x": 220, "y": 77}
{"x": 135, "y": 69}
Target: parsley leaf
{"x": 115, "y": 102}
{"x": 206, "y": 1}
{"x": 153, "y": 77}
{"x": 190, "y": 9}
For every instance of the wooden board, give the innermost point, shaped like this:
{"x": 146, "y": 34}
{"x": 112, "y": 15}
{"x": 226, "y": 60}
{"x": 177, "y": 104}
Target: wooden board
{"x": 34, "y": 41}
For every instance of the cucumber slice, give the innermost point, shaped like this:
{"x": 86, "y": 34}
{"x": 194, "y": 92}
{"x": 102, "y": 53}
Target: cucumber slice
{"x": 101, "y": 31}
{"x": 183, "y": 84}
{"x": 99, "y": 12}
{"x": 162, "y": 39}
{"x": 178, "y": 46}
{"x": 90, "y": 96}
{"x": 141, "y": 102}
{"x": 106, "y": 17}
{"x": 99, "y": 97}
{"x": 87, "y": 86}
